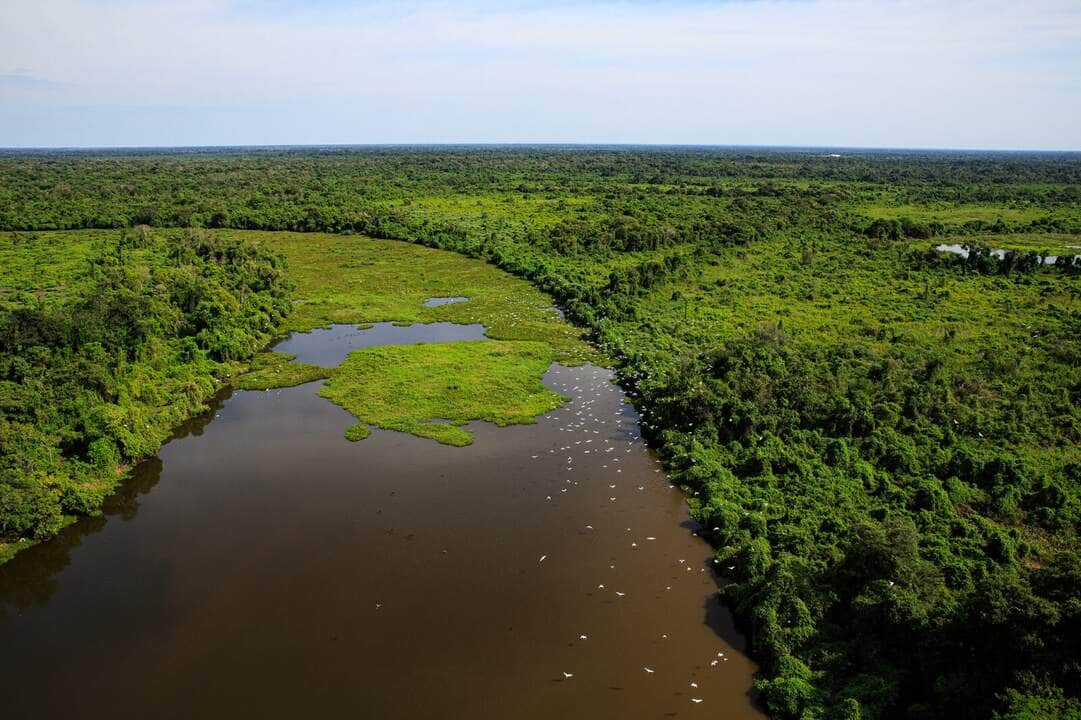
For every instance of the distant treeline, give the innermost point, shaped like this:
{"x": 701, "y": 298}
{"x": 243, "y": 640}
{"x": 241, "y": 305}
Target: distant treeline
{"x": 335, "y": 189}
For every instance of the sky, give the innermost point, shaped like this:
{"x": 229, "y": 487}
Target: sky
{"x": 992, "y": 74}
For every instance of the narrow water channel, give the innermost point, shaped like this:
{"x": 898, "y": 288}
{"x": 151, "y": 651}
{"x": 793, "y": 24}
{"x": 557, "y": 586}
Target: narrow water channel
{"x": 263, "y": 566}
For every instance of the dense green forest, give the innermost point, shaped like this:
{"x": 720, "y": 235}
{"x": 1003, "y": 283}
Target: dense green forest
{"x": 882, "y": 440}
{"x": 101, "y": 357}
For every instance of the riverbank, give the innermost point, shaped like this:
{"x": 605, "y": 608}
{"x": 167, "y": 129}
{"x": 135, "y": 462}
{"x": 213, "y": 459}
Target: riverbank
{"x": 396, "y": 575}
{"x": 333, "y": 278}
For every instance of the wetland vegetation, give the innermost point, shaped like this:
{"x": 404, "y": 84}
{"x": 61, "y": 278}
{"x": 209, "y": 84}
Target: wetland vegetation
{"x": 882, "y": 441}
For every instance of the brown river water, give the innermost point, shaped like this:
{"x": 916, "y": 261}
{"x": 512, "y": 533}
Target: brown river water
{"x": 264, "y": 566}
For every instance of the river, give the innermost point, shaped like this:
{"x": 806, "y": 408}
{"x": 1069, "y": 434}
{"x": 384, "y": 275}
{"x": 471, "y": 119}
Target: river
{"x": 263, "y": 566}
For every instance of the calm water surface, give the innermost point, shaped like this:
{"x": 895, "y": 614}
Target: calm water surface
{"x": 999, "y": 253}
{"x": 327, "y": 347}
{"x": 437, "y": 301}
{"x": 263, "y": 566}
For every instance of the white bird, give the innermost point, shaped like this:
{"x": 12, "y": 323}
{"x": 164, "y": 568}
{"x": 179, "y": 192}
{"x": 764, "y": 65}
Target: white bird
{"x": 542, "y": 558}
{"x": 648, "y": 670}
{"x": 582, "y": 637}
{"x": 568, "y": 675}
{"x": 619, "y": 593}
{"x": 696, "y": 700}
{"x": 694, "y": 685}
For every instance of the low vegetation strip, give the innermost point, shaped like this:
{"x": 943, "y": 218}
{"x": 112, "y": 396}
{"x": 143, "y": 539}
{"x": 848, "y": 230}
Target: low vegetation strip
{"x": 350, "y": 279}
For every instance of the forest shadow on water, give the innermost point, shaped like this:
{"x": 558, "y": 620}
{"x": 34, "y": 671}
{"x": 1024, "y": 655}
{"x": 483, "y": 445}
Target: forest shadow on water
{"x": 29, "y": 579}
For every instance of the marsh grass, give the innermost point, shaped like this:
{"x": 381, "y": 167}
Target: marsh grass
{"x": 426, "y": 390}
{"x": 277, "y": 370}
{"x": 432, "y": 390}
{"x": 350, "y": 279}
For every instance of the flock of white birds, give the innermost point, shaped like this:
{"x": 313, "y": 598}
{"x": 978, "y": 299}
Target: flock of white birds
{"x": 584, "y": 420}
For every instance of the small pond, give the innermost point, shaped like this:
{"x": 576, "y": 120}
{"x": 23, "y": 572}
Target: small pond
{"x": 437, "y": 301}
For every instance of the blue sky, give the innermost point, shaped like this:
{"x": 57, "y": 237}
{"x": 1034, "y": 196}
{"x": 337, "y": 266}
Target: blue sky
{"x": 890, "y": 73}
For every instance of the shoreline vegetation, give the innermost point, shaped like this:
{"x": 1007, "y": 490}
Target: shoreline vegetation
{"x": 148, "y": 324}
{"x": 883, "y": 441}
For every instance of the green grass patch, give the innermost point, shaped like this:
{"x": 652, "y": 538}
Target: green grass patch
{"x": 350, "y": 279}
{"x": 431, "y": 390}
{"x": 277, "y": 370}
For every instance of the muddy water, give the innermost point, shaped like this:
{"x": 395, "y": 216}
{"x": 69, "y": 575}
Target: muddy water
{"x": 263, "y": 566}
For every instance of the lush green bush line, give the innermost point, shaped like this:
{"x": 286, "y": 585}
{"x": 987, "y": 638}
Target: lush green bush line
{"x": 94, "y": 380}
{"x": 893, "y": 492}
{"x": 903, "y": 227}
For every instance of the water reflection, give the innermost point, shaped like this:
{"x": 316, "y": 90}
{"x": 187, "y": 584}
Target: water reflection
{"x": 328, "y": 347}
{"x": 437, "y": 301}
{"x": 29, "y": 579}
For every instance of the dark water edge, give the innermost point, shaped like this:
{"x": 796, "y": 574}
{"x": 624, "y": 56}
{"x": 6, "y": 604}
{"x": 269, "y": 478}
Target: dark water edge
{"x": 262, "y": 565}
{"x": 328, "y": 347}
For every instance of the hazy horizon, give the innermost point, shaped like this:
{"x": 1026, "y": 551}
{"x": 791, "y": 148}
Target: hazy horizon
{"x": 552, "y": 145}
{"x": 889, "y": 75}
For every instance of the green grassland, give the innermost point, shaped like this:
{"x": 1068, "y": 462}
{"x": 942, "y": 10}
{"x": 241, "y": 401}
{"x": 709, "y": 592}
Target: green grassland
{"x": 349, "y": 279}
{"x": 984, "y": 217}
{"x": 430, "y": 390}
{"x": 950, "y": 213}
{"x": 858, "y": 290}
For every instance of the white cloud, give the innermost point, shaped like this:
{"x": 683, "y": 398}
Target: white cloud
{"x": 896, "y": 72}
